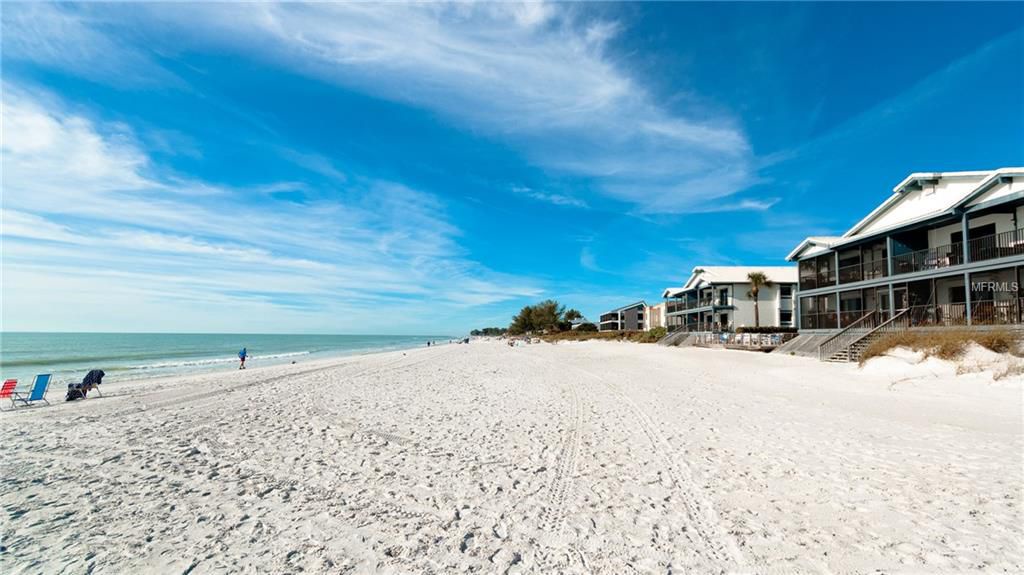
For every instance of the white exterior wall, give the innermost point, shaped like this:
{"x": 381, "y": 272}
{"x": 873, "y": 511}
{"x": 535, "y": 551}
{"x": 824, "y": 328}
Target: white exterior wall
{"x": 1001, "y": 190}
{"x": 655, "y": 316}
{"x": 769, "y": 303}
{"x": 925, "y": 201}
{"x": 941, "y": 236}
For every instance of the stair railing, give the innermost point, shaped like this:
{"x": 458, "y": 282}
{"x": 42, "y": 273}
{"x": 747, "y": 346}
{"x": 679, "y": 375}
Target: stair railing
{"x": 830, "y": 346}
{"x": 899, "y": 322}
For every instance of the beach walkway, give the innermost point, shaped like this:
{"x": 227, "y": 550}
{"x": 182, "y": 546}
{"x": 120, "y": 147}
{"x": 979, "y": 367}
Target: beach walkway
{"x": 570, "y": 458}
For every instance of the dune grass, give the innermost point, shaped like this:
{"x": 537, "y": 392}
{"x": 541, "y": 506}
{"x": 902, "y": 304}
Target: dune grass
{"x": 651, "y": 336}
{"x": 946, "y": 344}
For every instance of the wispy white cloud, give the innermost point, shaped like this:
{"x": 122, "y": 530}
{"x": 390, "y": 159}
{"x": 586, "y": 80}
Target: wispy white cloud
{"x": 87, "y": 212}
{"x": 550, "y": 198}
{"x": 77, "y": 41}
{"x": 543, "y": 77}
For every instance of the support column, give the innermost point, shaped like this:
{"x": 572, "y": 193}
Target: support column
{"x": 888, "y": 270}
{"x": 888, "y": 256}
{"x": 964, "y": 227}
{"x": 837, "y": 273}
{"x": 797, "y": 323}
{"x": 967, "y": 293}
{"x": 839, "y": 311}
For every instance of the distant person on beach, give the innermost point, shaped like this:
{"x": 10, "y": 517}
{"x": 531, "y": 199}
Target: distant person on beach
{"x": 428, "y": 343}
{"x": 241, "y": 358}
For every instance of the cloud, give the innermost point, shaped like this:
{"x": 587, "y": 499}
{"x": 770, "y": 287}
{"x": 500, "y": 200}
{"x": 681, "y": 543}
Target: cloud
{"x": 550, "y": 198}
{"x": 541, "y": 77}
{"x": 76, "y": 41}
{"x": 87, "y": 212}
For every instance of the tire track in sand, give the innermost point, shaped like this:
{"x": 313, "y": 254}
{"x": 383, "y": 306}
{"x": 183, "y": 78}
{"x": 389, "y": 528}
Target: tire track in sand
{"x": 701, "y": 515}
{"x": 552, "y": 518}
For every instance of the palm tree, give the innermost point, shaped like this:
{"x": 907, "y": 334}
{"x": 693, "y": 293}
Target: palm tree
{"x": 757, "y": 281}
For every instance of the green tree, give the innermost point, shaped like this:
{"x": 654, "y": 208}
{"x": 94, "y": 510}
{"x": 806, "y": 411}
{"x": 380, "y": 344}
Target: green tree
{"x": 757, "y": 280}
{"x": 573, "y": 314}
{"x": 546, "y": 315}
{"x": 522, "y": 322}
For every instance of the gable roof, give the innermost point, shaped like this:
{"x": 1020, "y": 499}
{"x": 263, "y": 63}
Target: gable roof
{"x": 672, "y": 291}
{"x": 812, "y": 245}
{"x": 640, "y": 303}
{"x": 705, "y": 275}
{"x": 950, "y": 192}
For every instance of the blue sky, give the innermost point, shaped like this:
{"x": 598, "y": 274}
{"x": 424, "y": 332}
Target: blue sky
{"x": 430, "y": 168}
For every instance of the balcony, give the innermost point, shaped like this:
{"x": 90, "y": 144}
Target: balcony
{"x": 862, "y": 271}
{"x": 1002, "y": 245}
{"x": 928, "y": 259}
{"x": 989, "y": 247}
{"x": 991, "y": 312}
{"x": 686, "y": 305}
{"x": 823, "y": 320}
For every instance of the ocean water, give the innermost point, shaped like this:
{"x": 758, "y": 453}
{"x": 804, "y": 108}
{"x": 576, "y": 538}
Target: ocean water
{"x": 126, "y": 356}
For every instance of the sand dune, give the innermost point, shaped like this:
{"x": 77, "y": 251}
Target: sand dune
{"x": 570, "y": 458}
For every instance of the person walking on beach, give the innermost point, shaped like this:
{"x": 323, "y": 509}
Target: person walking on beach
{"x": 242, "y": 354}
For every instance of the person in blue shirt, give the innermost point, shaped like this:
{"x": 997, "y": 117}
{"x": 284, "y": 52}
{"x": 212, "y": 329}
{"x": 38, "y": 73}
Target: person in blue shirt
{"x": 241, "y": 358}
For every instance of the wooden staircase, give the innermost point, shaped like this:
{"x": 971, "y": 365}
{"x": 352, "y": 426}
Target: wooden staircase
{"x": 849, "y": 344}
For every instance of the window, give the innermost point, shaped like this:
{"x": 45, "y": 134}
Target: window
{"x": 957, "y": 294}
{"x": 785, "y": 316}
{"x": 973, "y": 233}
{"x": 808, "y": 274}
{"x": 785, "y": 291}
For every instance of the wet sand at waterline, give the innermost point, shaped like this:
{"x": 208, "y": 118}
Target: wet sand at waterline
{"x": 570, "y": 458}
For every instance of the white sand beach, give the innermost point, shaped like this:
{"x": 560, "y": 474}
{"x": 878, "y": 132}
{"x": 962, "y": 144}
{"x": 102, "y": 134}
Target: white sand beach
{"x": 568, "y": 458}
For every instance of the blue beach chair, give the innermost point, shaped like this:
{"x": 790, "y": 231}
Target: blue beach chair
{"x": 37, "y": 393}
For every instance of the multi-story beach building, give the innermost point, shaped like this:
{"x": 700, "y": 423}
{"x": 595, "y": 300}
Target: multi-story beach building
{"x": 717, "y": 298}
{"x": 654, "y": 316}
{"x": 946, "y": 249}
{"x": 627, "y": 318}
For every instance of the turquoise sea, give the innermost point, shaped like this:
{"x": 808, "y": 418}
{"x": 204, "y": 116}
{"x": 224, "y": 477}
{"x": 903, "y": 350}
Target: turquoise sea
{"x": 125, "y": 356}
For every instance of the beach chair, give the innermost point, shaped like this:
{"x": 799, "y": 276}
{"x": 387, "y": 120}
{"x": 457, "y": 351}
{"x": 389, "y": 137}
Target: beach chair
{"x": 37, "y": 393}
{"x": 7, "y": 391}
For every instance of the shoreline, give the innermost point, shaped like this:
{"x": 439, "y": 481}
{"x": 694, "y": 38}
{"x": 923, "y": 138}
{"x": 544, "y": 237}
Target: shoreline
{"x": 575, "y": 457}
{"x": 146, "y": 363}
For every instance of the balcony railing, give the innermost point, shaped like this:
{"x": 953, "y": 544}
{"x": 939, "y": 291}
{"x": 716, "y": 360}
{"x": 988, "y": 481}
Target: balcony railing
{"x": 1009, "y": 243}
{"x": 762, "y": 341}
{"x": 928, "y": 259}
{"x": 992, "y": 312}
{"x": 945, "y": 314}
{"x": 989, "y": 247}
{"x": 998, "y": 312}
{"x": 678, "y": 306}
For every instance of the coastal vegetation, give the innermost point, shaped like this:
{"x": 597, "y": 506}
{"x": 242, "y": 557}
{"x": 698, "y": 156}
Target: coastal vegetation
{"x": 650, "y": 336}
{"x": 489, "y": 331}
{"x": 548, "y": 316}
{"x": 758, "y": 280}
{"x": 946, "y": 344}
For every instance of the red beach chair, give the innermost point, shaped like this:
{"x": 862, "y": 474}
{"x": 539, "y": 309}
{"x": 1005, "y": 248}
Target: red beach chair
{"x": 7, "y": 391}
